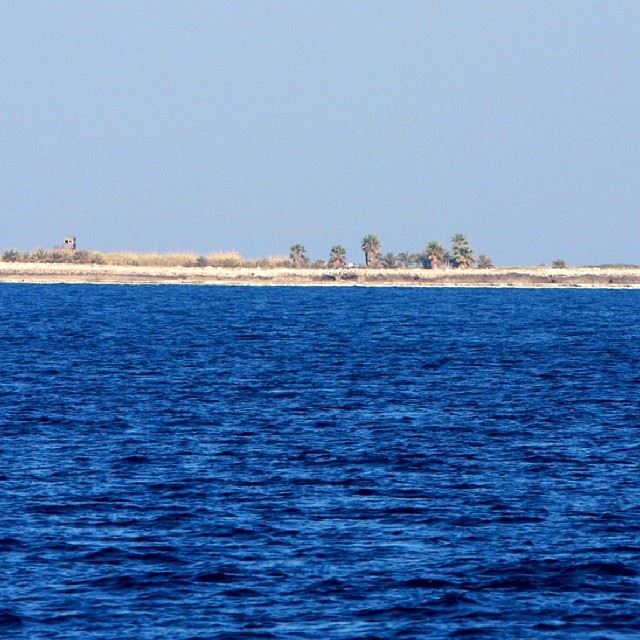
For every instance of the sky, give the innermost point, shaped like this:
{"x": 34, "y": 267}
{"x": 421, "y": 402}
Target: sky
{"x": 252, "y": 126}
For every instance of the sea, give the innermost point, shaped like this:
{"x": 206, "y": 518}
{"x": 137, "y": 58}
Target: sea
{"x": 203, "y": 462}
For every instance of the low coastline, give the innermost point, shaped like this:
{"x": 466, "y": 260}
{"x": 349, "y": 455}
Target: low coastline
{"x": 511, "y": 277}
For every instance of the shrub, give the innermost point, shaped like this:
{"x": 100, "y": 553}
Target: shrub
{"x": 61, "y": 256}
{"x": 40, "y": 255}
{"x": 485, "y": 262}
{"x": 11, "y": 256}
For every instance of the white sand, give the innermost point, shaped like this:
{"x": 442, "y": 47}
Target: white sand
{"x": 498, "y": 277}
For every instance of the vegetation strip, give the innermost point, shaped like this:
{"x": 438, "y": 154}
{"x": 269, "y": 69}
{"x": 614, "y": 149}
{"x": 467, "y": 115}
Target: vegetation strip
{"x": 433, "y": 256}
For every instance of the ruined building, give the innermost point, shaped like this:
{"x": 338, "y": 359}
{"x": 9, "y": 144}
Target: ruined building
{"x": 69, "y": 244}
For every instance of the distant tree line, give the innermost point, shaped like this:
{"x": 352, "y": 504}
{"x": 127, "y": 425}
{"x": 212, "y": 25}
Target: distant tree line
{"x": 434, "y": 256}
{"x": 459, "y": 255}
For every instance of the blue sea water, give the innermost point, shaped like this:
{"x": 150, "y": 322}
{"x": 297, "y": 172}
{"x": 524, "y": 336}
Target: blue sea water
{"x": 236, "y": 462}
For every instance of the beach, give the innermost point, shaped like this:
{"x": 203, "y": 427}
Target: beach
{"x": 519, "y": 277}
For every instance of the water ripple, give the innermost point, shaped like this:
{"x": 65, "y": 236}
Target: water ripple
{"x": 292, "y": 463}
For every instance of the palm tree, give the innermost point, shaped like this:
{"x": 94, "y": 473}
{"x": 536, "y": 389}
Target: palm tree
{"x": 338, "y": 257}
{"x": 461, "y": 251}
{"x": 485, "y": 262}
{"x": 298, "y": 255}
{"x": 389, "y": 261}
{"x": 372, "y": 248}
{"x": 435, "y": 254}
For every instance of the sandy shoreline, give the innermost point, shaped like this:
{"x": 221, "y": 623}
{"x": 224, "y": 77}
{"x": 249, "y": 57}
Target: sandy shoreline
{"x": 528, "y": 277}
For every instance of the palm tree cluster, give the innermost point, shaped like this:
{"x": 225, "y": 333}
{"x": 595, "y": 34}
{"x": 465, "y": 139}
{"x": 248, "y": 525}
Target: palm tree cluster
{"x": 434, "y": 256}
{"x": 460, "y": 256}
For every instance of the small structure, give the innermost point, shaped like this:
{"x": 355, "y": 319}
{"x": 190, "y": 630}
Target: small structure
{"x": 69, "y": 244}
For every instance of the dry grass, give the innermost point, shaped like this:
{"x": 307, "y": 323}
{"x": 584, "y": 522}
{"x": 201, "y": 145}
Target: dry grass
{"x": 224, "y": 259}
{"x": 131, "y": 259}
{"x": 234, "y": 259}
{"x": 227, "y": 259}
{"x": 135, "y": 259}
{"x": 271, "y": 262}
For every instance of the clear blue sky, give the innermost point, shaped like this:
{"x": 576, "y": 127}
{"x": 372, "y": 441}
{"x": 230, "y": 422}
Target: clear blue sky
{"x": 256, "y": 125}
